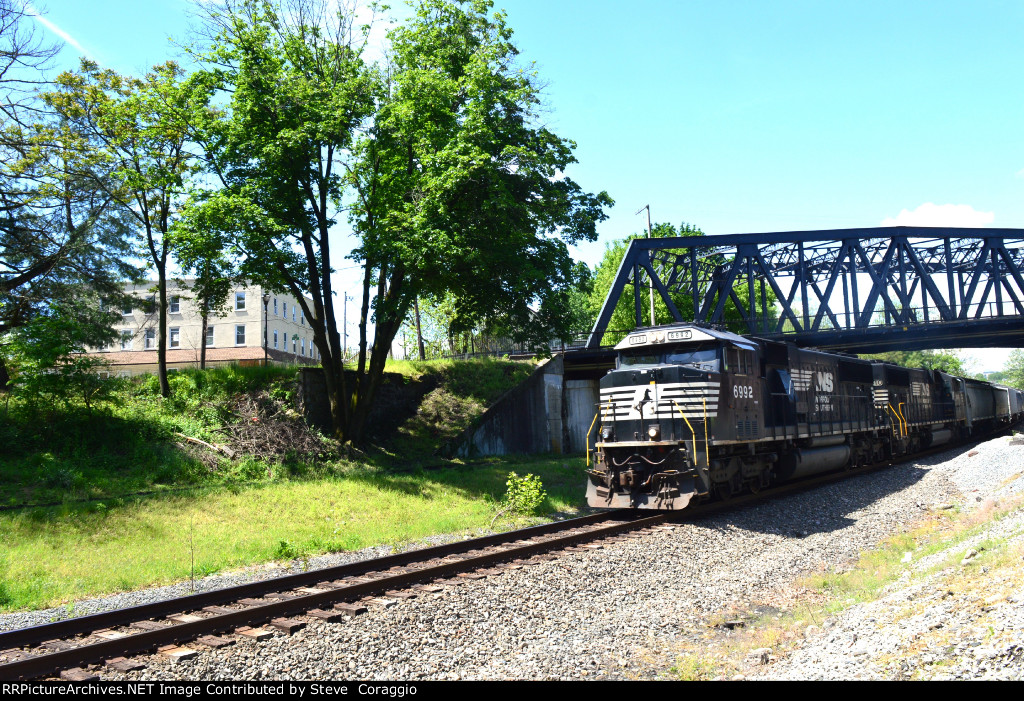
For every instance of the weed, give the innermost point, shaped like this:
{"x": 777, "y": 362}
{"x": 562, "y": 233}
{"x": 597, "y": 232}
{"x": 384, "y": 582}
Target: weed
{"x": 693, "y": 668}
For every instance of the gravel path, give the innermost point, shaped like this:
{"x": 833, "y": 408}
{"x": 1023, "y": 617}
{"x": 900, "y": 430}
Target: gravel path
{"x": 627, "y": 610}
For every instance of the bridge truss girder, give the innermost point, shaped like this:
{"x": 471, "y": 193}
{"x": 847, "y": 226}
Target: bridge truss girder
{"x": 843, "y": 288}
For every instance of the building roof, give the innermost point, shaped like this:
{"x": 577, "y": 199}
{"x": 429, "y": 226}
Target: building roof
{"x": 191, "y": 355}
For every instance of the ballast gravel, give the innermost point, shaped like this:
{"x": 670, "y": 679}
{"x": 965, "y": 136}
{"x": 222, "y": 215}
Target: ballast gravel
{"x": 625, "y": 610}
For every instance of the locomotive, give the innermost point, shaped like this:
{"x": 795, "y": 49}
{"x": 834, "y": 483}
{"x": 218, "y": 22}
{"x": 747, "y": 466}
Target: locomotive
{"x": 692, "y": 413}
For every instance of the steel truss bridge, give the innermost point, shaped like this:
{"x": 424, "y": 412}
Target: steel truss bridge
{"x": 858, "y": 290}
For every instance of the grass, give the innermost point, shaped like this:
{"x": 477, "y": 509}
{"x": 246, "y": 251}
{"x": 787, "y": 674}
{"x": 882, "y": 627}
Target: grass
{"x": 128, "y": 446}
{"x": 134, "y": 509}
{"x": 462, "y": 391}
{"x": 60, "y": 554}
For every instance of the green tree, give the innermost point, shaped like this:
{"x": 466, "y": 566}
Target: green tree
{"x": 946, "y": 361}
{"x": 460, "y": 191}
{"x": 203, "y": 249}
{"x": 61, "y": 237}
{"x": 46, "y": 355}
{"x": 454, "y": 188}
{"x": 297, "y": 92}
{"x": 1015, "y": 368}
{"x": 143, "y": 126}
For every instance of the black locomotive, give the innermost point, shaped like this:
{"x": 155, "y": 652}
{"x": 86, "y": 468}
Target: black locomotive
{"x": 691, "y": 412}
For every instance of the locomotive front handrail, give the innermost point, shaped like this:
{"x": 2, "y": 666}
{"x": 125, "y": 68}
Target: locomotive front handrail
{"x": 694, "y": 433}
{"x": 587, "y": 439}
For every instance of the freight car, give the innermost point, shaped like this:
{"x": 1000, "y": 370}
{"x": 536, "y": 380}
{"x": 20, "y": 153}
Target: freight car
{"x": 695, "y": 413}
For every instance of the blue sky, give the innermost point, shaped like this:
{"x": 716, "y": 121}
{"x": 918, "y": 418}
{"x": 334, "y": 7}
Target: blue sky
{"x": 740, "y": 116}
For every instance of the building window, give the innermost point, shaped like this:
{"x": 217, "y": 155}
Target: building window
{"x": 240, "y": 335}
{"x": 275, "y": 338}
{"x": 302, "y": 319}
{"x": 150, "y": 338}
{"x": 295, "y": 345}
{"x": 175, "y": 337}
{"x": 293, "y": 313}
{"x": 126, "y": 339}
{"x": 275, "y": 306}
{"x": 209, "y": 336}
{"x": 284, "y": 309}
{"x": 175, "y": 305}
{"x": 151, "y": 304}
{"x": 126, "y": 310}
{"x": 239, "y": 301}
{"x": 302, "y": 347}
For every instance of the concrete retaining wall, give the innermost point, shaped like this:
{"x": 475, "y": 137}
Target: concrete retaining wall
{"x": 544, "y": 414}
{"x": 527, "y": 419}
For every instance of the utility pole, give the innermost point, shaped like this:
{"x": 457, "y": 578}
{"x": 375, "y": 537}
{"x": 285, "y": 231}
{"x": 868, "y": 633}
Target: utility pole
{"x": 344, "y": 325}
{"x": 650, "y": 235}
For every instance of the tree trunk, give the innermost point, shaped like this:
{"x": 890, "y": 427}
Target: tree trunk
{"x": 202, "y": 341}
{"x": 161, "y": 349}
{"x": 419, "y": 333}
{"x": 5, "y": 376}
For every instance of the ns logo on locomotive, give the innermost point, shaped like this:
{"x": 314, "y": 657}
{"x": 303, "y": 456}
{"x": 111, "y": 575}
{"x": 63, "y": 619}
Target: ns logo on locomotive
{"x": 691, "y": 413}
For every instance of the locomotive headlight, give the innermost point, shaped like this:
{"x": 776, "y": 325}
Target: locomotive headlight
{"x": 606, "y": 433}
{"x": 654, "y": 432}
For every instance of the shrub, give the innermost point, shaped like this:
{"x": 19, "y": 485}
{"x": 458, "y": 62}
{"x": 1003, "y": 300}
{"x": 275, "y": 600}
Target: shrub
{"x": 523, "y": 496}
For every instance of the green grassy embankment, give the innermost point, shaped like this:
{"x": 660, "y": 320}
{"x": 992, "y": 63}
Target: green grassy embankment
{"x": 136, "y": 504}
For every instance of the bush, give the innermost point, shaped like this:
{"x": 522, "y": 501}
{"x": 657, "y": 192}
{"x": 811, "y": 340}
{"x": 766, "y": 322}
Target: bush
{"x": 523, "y": 496}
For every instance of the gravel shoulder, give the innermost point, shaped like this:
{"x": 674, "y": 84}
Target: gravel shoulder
{"x": 637, "y": 609}
{"x": 955, "y": 613}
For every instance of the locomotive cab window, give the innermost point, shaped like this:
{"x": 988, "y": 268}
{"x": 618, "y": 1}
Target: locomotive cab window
{"x": 638, "y": 358}
{"x": 702, "y": 358}
{"x": 739, "y": 361}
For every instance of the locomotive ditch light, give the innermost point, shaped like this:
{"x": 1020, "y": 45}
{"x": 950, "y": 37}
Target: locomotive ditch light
{"x": 654, "y": 432}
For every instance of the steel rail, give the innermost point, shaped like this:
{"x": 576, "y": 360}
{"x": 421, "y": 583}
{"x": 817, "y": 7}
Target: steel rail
{"x": 106, "y": 619}
{"x": 52, "y": 662}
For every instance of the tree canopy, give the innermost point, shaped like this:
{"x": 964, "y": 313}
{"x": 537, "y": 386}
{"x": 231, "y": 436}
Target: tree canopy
{"x": 452, "y": 185}
{"x": 946, "y": 361}
{"x": 62, "y": 238}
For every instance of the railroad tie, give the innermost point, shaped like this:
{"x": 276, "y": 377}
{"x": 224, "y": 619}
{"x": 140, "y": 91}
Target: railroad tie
{"x": 350, "y": 610}
{"x": 329, "y": 616}
{"x": 214, "y": 641}
{"x": 288, "y": 625}
{"x": 77, "y": 674}
{"x": 123, "y": 664}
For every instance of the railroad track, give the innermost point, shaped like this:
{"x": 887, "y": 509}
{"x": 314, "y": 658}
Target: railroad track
{"x": 111, "y": 638}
